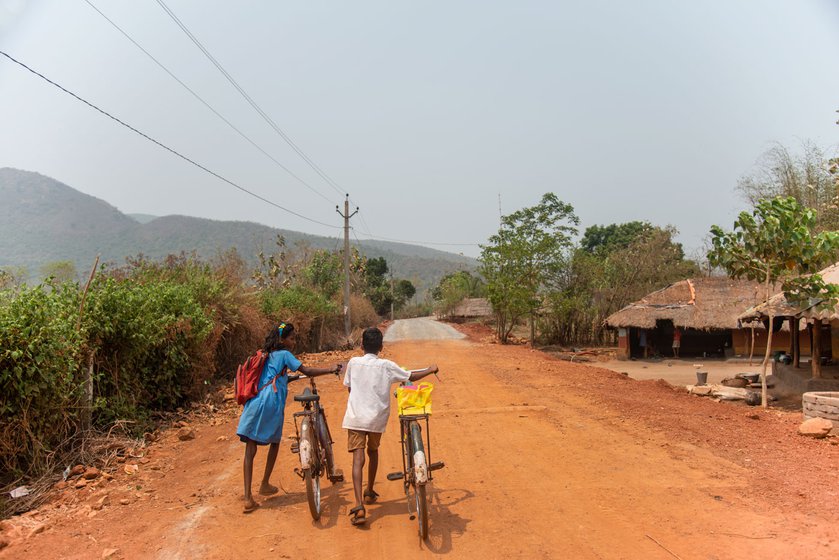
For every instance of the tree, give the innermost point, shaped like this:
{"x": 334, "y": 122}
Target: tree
{"x": 12, "y": 276}
{"x": 454, "y": 288}
{"x": 324, "y": 272}
{"x": 615, "y": 265}
{"x": 806, "y": 177}
{"x": 602, "y": 240}
{"x": 61, "y": 271}
{"x": 523, "y": 257}
{"x": 403, "y": 291}
{"x": 777, "y": 243}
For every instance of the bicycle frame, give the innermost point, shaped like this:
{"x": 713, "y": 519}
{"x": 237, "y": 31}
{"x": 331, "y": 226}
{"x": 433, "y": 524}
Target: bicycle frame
{"x": 408, "y": 450}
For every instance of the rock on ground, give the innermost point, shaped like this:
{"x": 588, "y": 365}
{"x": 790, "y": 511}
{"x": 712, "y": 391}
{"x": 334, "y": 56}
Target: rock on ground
{"x": 815, "y": 427}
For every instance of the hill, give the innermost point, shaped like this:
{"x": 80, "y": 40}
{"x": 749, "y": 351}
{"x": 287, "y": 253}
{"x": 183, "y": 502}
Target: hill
{"x": 43, "y": 220}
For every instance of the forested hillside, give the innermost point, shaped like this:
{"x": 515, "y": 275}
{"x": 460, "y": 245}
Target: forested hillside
{"x": 43, "y": 221}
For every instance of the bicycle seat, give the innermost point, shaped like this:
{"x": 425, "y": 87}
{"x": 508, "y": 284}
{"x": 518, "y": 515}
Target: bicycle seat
{"x": 307, "y": 396}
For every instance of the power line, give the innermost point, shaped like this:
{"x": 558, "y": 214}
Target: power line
{"x": 376, "y": 238}
{"x": 206, "y": 104}
{"x": 250, "y": 100}
{"x": 162, "y": 145}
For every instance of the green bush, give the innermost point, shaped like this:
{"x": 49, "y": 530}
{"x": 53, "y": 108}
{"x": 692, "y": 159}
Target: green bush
{"x": 40, "y": 394}
{"x": 306, "y": 308}
{"x": 147, "y": 339}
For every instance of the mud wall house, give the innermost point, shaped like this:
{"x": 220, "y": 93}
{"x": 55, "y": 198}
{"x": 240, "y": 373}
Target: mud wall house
{"x": 706, "y": 310}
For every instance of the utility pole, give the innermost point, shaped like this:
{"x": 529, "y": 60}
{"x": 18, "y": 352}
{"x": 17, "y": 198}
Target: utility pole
{"x": 391, "y": 295}
{"x": 346, "y": 215}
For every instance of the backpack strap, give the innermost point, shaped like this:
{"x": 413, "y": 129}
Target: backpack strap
{"x": 273, "y": 380}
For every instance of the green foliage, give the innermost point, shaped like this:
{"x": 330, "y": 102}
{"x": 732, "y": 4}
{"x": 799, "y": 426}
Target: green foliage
{"x": 524, "y": 257}
{"x": 61, "y": 271}
{"x": 40, "y": 351}
{"x": 403, "y": 291}
{"x": 598, "y": 282}
{"x": 777, "y": 243}
{"x": 454, "y": 288}
{"x": 324, "y": 272}
{"x": 147, "y": 337}
{"x": 150, "y": 331}
{"x": 606, "y": 239}
{"x": 381, "y": 288}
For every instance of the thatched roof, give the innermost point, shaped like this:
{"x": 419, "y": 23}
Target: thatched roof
{"x": 473, "y": 307}
{"x": 778, "y": 305}
{"x": 697, "y": 303}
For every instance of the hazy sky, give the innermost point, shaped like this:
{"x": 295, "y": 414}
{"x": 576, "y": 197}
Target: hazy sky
{"x": 424, "y": 112}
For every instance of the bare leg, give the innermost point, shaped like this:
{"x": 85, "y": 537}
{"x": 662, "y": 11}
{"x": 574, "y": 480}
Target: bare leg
{"x": 247, "y": 470}
{"x": 374, "y": 466}
{"x": 358, "y": 474}
{"x": 265, "y": 488}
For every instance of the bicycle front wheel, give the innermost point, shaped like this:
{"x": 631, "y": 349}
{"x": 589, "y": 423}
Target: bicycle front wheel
{"x": 420, "y": 469}
{"x": 310, "y": 460}
{"x": 312, "y": 493}
{"x": 326, "y": 442}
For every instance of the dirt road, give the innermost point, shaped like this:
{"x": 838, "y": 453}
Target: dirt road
{"x": 421, "y": 328}
{"x": 541, "y": 459}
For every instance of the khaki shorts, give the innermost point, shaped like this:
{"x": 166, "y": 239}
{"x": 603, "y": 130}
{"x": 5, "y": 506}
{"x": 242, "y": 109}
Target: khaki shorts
{"x": 357, "y": 440}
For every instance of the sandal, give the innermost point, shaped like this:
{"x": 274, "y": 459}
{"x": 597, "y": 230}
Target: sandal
{"x": 250, "y": 506}
{"x": 359, "y": 515}
{"x": 371, "y": 496}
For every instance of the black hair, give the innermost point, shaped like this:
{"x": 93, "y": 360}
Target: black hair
{"x": 371, "y": 340}
{"x": 276, "y": 337}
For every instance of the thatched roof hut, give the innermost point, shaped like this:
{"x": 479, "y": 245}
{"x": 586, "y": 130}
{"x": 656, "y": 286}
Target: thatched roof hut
{"x": 778, "y": 305}
{"x": 473, "y": 307}
{"x": 706, "y": 303}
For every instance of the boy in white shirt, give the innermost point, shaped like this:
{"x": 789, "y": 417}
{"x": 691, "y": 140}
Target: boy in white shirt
{"x": 368, "y": 380}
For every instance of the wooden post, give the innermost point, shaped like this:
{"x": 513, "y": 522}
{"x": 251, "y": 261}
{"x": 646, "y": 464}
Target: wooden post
{"x": 816, "y": 360}
{"x": 88, "y": 381}
{"x": 796, "y": 343}
{"x": 791, "y": 326}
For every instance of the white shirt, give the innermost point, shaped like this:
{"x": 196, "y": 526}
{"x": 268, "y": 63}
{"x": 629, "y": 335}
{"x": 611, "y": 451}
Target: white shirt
{"x": 370, "y": 379}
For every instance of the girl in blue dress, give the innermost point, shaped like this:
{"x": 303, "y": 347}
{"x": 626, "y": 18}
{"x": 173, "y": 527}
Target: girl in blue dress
{"x": 262, "y": 418}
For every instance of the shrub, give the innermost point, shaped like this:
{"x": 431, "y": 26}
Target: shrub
{"x": 40, "y": 395}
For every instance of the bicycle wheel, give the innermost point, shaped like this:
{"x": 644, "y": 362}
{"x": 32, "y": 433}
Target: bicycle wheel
{"x": 311, "y": 471}
{"x": 326, "y": 442}
{"x": 420, "y": 468}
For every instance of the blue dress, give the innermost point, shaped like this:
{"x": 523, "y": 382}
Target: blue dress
{"x": 262, "y": 418}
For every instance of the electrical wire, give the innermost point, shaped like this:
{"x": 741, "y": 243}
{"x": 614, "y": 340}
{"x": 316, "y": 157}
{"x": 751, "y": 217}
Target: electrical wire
{"x": 205, "y": 103}
{"x": 250, "y": 100}
{"x": 164, "y": 146}
{"x": 376, "y": 238}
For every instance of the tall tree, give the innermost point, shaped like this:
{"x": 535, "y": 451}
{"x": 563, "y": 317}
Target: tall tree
{"x": 777, "y": 243}
{"x": 521, "y": 259}
{"x": 804, "y": 176}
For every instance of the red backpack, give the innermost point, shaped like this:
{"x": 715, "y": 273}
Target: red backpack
{"x": 246, "y": 384}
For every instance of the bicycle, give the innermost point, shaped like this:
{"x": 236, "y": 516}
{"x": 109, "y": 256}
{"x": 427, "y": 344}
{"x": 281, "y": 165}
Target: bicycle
{"x": 416, "y": 465}
{"x": 313, "y": 444}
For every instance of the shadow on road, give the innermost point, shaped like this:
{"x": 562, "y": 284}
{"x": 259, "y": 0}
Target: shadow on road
{"x": 443, "y": 524}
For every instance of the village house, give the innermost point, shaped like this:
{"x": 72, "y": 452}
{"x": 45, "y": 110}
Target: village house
{"x": 819, "y": 340}
{"x": 707, "y": 312}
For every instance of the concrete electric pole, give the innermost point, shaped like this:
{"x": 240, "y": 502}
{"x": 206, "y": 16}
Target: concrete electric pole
{"x": 346, "y": 215}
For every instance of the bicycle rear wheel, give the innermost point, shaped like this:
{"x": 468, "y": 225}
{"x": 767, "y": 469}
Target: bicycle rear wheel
{"x": 326, "y": 442}
{"x": 420, "y": 469}
{"x": 311, "y": 471}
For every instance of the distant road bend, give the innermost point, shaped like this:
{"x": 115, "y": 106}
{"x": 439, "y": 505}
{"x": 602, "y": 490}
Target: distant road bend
{"x": 422, "y": 328}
